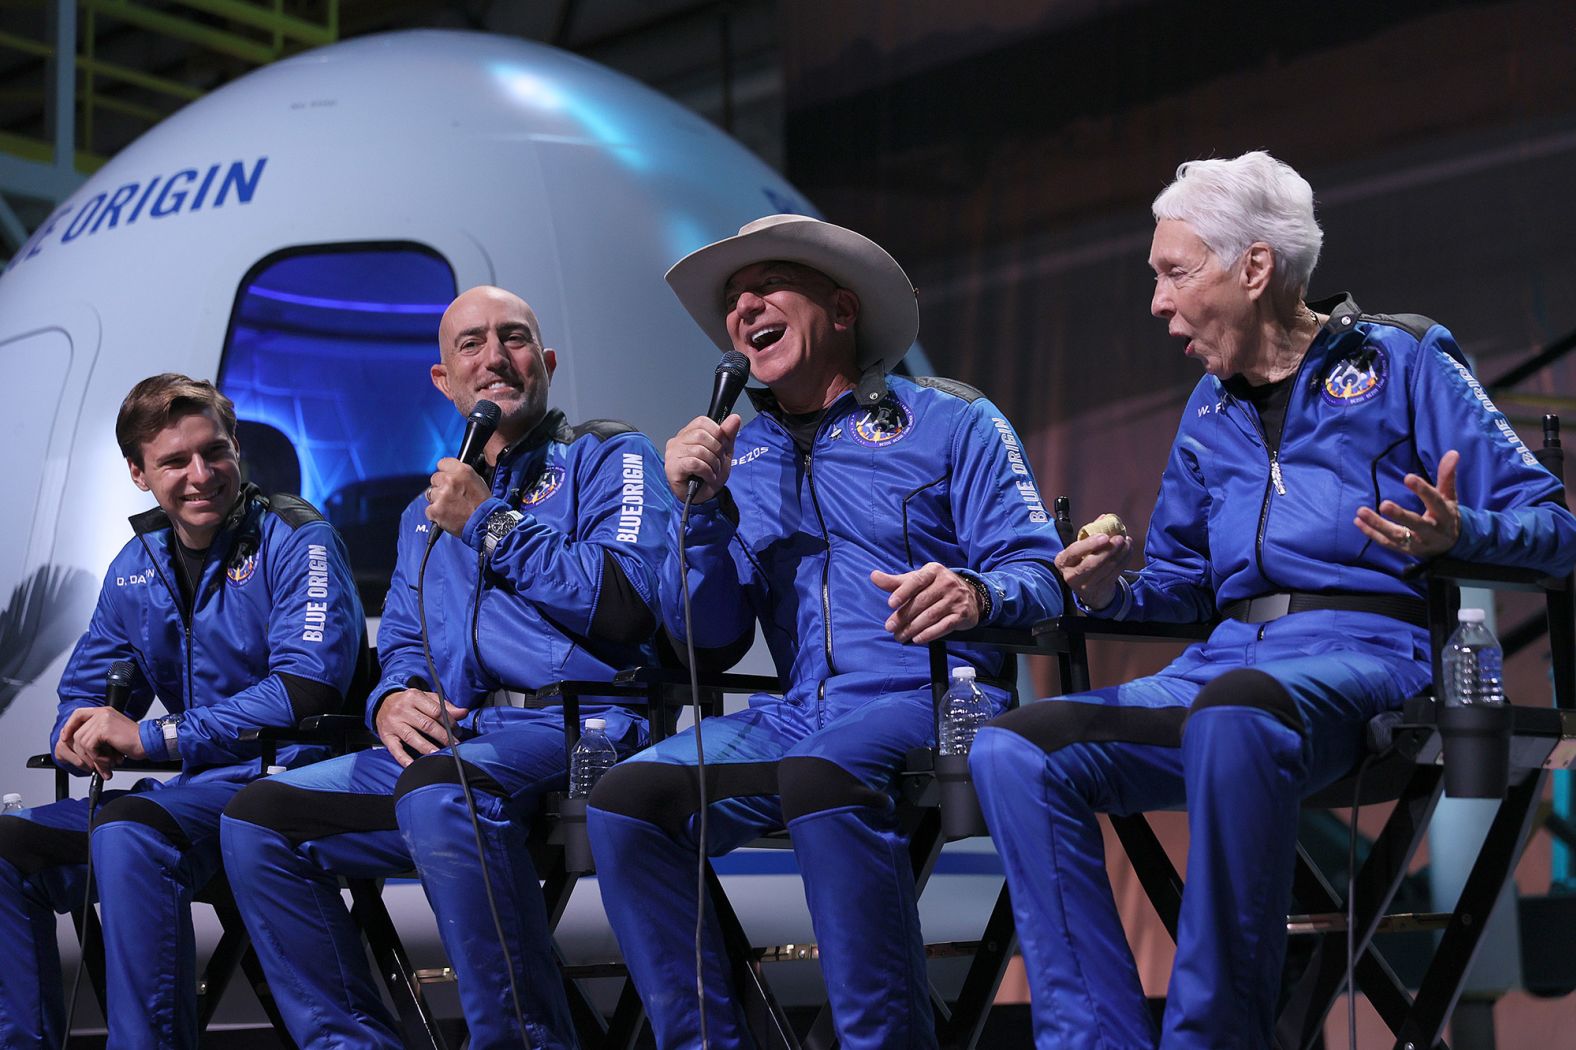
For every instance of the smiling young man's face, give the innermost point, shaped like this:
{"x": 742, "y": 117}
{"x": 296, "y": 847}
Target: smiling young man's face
{"x": 794, "y": 324}
{"x": 193, "y": 469}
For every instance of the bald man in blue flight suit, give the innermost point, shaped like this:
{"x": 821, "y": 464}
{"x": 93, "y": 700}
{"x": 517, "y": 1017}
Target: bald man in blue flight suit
{"x": 237, "y": 611}
{"x": 1296, "y": 495}
{"x": 546, "y": 570}
{"x": 858, "y": 512}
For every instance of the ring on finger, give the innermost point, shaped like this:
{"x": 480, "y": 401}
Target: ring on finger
{"x": 1406, "y": 537}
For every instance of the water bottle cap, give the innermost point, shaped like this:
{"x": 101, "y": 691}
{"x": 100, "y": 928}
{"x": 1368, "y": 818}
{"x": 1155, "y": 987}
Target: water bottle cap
{"x": 962, "y": 674}
{"x": 1470, "y": 616}
{"x": 9, "y": 798}
{"x": 596, "y": 723}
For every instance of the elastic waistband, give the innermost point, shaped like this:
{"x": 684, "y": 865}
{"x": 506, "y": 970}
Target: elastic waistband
{"x": 1266, "y": 607}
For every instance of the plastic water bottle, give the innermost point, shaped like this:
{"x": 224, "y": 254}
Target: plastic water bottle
{"x": 963, "y": 710}
{"x": 1473, "y": 663}
{"x": 11, "y": 803}
{"x": 593, "y": 755}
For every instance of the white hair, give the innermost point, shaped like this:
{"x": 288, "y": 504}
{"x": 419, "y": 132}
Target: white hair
{"x": 1232, "y": 203}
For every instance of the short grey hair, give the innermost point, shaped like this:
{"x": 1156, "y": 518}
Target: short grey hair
{"x": 1232, "y": 203}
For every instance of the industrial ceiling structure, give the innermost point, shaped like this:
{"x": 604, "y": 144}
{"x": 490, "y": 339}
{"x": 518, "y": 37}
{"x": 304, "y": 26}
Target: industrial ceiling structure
{"x": 131, "y": 63}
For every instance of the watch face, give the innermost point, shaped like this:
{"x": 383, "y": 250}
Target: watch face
{"x": 499, "y": 524}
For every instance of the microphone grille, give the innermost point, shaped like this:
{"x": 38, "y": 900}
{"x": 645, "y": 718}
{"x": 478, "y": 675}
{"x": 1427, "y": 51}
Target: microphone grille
{"x": 120, "y": 672}
{"x": 735, "y": 363}
{"x": 485, "y": 413}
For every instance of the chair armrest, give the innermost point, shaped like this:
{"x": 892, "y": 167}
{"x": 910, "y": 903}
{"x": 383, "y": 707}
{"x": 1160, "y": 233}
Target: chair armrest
{"x": 130, "y": 765}
{"x": 341, "y": 733}
{"x": 678, "y": 677}
{"x": 333, "y": 723}
{"x": 1089, "y": 627}
{"x": 1496, "y": 577}
{"x": 557, "y": 692}
{"x": 1058, "y": 634}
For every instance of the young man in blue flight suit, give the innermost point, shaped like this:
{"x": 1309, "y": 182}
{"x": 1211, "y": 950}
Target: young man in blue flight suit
{"x": 858, "y": 516}
{"x": 237, "y": 611}
{"x": 545, "y": 571}
{"x": 1296, "y": 495}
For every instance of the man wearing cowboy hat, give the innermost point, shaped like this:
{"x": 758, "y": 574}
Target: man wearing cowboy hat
{"x": 856, "y": 517}
{"x": 544, "y": 569}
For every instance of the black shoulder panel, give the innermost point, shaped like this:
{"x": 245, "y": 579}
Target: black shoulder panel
{"x": 150, "y": 521}
{"x": 950, "y": 386}
{"x": 601, "y": 429}
{"x": 1415, "y": 324}
{"x": 293, "y": 510}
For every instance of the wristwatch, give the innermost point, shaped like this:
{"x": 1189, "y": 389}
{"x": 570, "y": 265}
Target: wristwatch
{"x": 170, "y": 727}
{"x": 498, "y": 525}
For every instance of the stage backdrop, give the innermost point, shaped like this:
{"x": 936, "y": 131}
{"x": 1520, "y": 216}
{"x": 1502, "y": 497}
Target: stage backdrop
{"x": 1006, "y": 153}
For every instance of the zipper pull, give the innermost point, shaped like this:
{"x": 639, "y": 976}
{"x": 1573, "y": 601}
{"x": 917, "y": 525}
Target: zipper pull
{"x": 1275, "y": 474}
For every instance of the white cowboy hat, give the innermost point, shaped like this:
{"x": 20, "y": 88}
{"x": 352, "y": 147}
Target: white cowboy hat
{"x": 888, "y": 304}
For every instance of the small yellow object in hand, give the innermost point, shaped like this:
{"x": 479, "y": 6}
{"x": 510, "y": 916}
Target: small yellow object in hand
{"x": 1104, "y": 525}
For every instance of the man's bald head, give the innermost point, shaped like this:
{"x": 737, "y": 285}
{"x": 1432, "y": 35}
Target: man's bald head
{"x": 463, "y": 312}
{"x": 490, "y": 348}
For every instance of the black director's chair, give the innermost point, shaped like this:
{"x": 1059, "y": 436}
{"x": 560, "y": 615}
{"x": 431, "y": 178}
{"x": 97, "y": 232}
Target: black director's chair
{"x": 1404, "y": 766}
{"x": 234, "y": 947}
{"x": 921, "y": 803}
{"x": 556, "y": 843}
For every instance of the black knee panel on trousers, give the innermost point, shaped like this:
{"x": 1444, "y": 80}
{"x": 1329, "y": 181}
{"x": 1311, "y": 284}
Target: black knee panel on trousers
{"x": 1054, "y": 724}
{"x": 667, "y": 795}
{"x": 813, "y": 785}
{"x": 1246, "y": 687}
{"x": 301, "y": 815}
{"x": 30, "y": 847}
{"x": 139, "y": 809}
{"x": 440, "y": 769}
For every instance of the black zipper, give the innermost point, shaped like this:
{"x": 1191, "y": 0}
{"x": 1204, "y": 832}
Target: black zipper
{"x": 826, "y": 562}
{"x": 485, "y": 673}
{"x": 1275, "y": 482}
{"x": 186, "y": 615}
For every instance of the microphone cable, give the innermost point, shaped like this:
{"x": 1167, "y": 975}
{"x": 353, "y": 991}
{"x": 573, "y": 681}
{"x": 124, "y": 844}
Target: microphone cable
{"x": 727, "y": 383}
{"x": 459, "y": 768}
{"x": 700, "y": 771}
{"x": 119, "y": 677}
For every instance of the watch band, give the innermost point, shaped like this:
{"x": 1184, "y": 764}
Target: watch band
{"x": 170, "y": 726}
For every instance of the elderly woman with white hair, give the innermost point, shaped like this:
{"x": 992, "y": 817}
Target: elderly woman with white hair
{"x": 1323, "y": 453}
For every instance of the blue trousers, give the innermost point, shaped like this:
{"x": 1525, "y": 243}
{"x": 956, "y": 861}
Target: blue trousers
{"x": 1239, "y": 729}
{"x": 826, "y": 775}
{"x": 153, "y": 848}
{"x": 288, "y": 838}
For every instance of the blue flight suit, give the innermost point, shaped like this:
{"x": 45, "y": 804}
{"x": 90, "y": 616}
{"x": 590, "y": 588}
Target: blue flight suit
{"x": 900, "y": 474}
{"x": 568, "y": 593}
{"x": 274, "y": 636}
{"x": 1244, "y": 725}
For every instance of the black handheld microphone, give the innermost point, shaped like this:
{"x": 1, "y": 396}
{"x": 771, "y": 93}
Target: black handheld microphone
{"x": 117, "y": 685}
{"x": 117, "y": 694}
{"x": 732, "y": 373}
{"x": 479, "y": 427}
